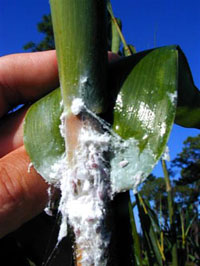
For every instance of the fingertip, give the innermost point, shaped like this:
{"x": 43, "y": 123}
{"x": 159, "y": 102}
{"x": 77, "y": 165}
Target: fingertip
{"x": 23, "y": 193}
{"x": 26, "y": 77}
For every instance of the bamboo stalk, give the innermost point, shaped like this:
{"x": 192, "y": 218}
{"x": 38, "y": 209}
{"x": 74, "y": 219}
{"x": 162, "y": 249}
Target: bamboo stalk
{"x": 136, "y": 241}
{"x": 115, "y": 22}
{"x": 161, "y": 228}
{"x": 151, "y": 241}
{"x": 116, "y": 40}
{"x": 171, "y": 213}
{"x": 80, "y": 30}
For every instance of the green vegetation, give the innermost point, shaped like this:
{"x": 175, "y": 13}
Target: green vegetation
{"x": 176, "y": 222}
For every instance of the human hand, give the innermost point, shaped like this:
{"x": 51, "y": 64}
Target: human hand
{"x": 23, "y": 79}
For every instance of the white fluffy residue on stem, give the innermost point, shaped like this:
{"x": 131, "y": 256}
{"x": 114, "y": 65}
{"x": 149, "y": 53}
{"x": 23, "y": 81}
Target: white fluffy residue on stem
{"x": 84, "y": 188}
{"x": 77, "y": 106}
{"x": 48, "y": 208}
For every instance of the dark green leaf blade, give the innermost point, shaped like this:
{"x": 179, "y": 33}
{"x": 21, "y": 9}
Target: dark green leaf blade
{"x": 188, "y": 105}
{"x": 144, "y": 112}
{"x": 42, "y": 138}
{"x": 188, "y": 109}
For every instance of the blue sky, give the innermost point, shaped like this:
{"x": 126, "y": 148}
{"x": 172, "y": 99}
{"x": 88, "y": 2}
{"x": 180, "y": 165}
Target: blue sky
{"x": 146, "y": 23}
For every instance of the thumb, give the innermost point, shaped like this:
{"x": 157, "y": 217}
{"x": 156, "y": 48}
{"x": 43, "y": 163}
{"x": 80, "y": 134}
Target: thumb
{"x": 23, "y": 193}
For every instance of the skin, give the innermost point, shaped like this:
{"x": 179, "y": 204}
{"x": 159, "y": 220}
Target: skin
{"x": 24, "y": 78}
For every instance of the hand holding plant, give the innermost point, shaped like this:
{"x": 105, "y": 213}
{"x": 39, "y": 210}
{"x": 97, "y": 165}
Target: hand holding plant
{"x": 24, "y": 78}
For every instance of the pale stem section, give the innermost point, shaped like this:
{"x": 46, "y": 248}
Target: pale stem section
{"x": 86, "y": 189}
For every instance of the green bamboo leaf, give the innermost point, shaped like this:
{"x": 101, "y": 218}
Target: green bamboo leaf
{"x": 42, "y": 137}
{"x": 188, "y": 110}
{"x": 143, "y": 114}
{"x": 188, "y": 105}
{"x": 152, "y": 80}
{"x": 190, "y": 225}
